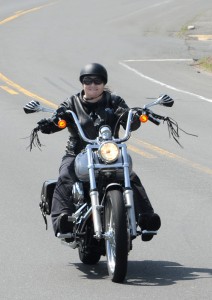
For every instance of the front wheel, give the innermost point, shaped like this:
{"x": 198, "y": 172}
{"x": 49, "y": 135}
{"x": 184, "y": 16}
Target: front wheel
{"x": 116, "y": 237}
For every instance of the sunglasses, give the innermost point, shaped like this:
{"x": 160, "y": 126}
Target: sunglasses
{"x": 90, "y": 80}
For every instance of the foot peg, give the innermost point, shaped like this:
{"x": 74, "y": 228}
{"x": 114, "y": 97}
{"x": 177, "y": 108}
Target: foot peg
{"x": 67, "y": 239}
{"x": 147, "y": 235}
{"x": 65, "y": 235}
{"x": 147, "y": 232}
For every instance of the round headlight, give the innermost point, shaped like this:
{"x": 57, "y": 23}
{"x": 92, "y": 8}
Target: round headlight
{"x": 109, "y": 152}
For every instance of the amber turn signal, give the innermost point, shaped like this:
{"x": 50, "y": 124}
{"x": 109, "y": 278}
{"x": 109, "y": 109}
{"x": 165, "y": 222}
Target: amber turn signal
{"x": 143, "y": 118}
{"x": 62, "y": 124}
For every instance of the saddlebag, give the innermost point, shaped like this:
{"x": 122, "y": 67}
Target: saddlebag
{"x": 46, "y": 196}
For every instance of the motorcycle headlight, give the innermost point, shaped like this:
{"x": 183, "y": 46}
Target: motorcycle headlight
{"x": 109, "y": 152}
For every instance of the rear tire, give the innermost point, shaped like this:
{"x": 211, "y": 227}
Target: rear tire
{"x": 89, "y": 249}
{"x": 116, "y": 240}
{"x": 89, "y": 258}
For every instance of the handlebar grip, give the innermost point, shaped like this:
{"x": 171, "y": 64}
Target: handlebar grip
{"x": 155, "y": 116}
{"x": 154, "y": 120}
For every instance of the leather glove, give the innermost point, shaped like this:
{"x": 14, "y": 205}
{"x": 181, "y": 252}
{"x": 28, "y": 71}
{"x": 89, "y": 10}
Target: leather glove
{"x": 61, "y": 113}
{"x": 46, "y": 126}
{"x": 135, "y": 122}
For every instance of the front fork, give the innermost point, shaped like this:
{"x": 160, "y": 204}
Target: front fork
{"x": 129, "y": 202}
{"x": 96, "y": 211}
{"x": 94, "y": 195}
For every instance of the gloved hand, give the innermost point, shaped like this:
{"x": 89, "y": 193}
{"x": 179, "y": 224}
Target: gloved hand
{"x": 61, "y": 112}
{"x": 135, "y": 122}
{"x": 46, "y": 125}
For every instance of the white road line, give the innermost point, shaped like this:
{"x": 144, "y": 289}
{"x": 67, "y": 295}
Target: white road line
{"x": 161, "y": 83}
{"x": 139, "y": 11}
{"x": 159, "y": 59}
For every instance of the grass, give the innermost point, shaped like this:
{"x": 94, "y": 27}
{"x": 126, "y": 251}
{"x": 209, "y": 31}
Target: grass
{"x": 205, "y": 63}
{"x": 183, "y": 31}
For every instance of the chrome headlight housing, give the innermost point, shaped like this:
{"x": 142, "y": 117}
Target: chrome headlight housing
{"x": 109, "y": 152}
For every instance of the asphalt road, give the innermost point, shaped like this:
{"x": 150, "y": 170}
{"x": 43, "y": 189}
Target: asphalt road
{"x": 43, "y": 46}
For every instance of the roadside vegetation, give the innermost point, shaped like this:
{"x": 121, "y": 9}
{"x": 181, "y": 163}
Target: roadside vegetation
{"x": 205, "y": 63}
{"x": 183, "y": 31}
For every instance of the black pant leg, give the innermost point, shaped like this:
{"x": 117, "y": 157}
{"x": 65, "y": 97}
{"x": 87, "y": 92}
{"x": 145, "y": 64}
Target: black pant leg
{"x": 62, "y": 200}
{"x": 141, "y": 200}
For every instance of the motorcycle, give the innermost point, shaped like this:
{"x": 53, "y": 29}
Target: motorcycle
{"x": 104, "y": 220}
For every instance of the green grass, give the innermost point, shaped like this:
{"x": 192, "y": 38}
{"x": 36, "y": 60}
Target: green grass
{"x": 183, "y": 31}
{"x": 205, "y": 63}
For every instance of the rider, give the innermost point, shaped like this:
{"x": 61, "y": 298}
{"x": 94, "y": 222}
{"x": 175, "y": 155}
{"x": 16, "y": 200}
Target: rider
{"x": 94, "y": 106}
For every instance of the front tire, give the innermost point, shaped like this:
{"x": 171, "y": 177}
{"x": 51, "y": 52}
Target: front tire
{"x": 116, "y": 237}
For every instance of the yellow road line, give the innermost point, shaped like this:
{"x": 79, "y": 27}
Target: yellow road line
{"x": 140, "y": 152}
{"x": 21, "y": 13}
{"x": 201, "y": 37}
{"x": 135, "y": 149}
{"x": 132, "y": 148}
{"x": 24, "y": 91}
{"x": 7, "y": 89}
{"x": 157, "y": 149}
{"x": 177, "y": 157}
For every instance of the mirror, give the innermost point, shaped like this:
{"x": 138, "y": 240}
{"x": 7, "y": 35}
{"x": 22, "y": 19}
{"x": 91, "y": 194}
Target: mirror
{"x": 165, "y": 100}
{"x": 35, "y": 106}
{"x": 31, "y": 107}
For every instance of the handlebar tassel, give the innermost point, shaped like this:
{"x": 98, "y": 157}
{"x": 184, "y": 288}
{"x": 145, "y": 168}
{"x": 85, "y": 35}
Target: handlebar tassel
{"x": 173, "y": 129}
{"x": 34, "y": 139}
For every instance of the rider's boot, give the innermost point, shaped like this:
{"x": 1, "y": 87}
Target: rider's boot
{"x": 65, "y": 226}
{"x": 148, "y": 222}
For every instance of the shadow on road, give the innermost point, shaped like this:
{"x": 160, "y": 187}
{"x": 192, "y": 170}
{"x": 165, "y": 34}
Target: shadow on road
{"x": 148, "y": 273}
{"x": 162, "y": 273}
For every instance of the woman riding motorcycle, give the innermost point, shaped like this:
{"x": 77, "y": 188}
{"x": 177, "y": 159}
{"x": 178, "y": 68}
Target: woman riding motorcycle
{"x": 94, "y": 106}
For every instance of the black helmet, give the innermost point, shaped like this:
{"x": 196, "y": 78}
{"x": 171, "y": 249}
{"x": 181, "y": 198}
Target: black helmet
{"x": 94, "y": 69}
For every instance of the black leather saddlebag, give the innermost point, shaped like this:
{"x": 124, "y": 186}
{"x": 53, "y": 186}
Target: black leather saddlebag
{"x": 46, "y": 196}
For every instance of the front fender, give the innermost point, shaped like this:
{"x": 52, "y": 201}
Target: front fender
{"x": 109, "y": 187}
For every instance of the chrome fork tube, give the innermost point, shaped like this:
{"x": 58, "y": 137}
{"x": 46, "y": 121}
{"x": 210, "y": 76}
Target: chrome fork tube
{"x": 96, "y": 208}
{"x": 128, "y": 196}
{"x": 126, "y": 167}
{"x": 91, "y": 168}
{"x": 128, "y": 193}
{"x": 94, "y": 195}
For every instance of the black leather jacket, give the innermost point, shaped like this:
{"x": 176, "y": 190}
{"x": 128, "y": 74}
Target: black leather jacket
{"x": 92, "y": 116}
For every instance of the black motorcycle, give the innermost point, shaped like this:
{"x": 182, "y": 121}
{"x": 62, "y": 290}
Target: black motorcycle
{"x": 104, "y": 220}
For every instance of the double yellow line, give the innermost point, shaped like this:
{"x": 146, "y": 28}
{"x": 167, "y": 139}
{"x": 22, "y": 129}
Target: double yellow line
{"x": 21, "y": 13}
{"x": 13, "y": 88}
{"x": 20, "y": 89}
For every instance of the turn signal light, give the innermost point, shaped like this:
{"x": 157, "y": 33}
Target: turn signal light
{"x": 143, "y": 118}
{"x": 62, "y": 124}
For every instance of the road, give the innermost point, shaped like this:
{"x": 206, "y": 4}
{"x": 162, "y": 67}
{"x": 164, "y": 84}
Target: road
{"x": 43, "y": 46}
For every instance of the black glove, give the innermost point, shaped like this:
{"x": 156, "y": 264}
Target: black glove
{"x": 46, "y": 125}
{"x": 61, "y": 113}
{"x": 135, "y": 122}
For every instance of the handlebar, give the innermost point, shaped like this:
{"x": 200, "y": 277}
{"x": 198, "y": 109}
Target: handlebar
{"x": 154, "y": 120}
{"x": 82, "y": 135}
{"x": 165, "y": 100}
{"x": 152, "y": 117}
